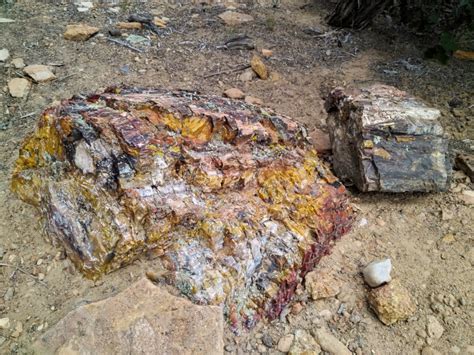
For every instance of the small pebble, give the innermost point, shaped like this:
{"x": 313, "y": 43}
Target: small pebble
{"x": 434, "y": 328}
{"x": 229, "y": 348}
{"x": 8, "y": 296}
{"x": 378, "y": 272}
{"x": 4, "y": 54}
{"x": 18, "y": 63}
{"x": 297, "y": 308}
{"x": 234, "y": 93}
{"x": 4, "y": 323}
{"x": 267, "y": 340}
{"x": 284, "y": 344}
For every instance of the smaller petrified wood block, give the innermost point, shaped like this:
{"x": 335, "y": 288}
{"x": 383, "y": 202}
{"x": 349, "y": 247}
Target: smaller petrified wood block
{"x": 384, "y": 140}
{"x": 230, "y": 196}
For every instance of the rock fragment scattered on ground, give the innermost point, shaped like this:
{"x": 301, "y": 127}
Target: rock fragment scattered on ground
{"x": 18, "y": 63}
{"x": 234, "y": 93}
{"x": 304, "y": 343}
{"x": 247, "y": 75}
{"x": 378, "y": 272}
{"x": 267, "y": 340}
{"x": 84, "y": 6}
{"x": 4, "y": 54}
{"x": 385, "y": 140}
{"x": 39, "y": 73}
{"x": 284, "y": 344}
{"x": 321, "y": 284}
{"x": 267, "y": 53}
{"x": 6, "y": 20}
{"x": 259, "y": 67}
{"x": 8, "y": 296}
{"x": 329, "y": 343}
{"x": 434, "y": 328}
{"x": 392, "y": 302}
{"x": 253, "y": 100}
{"x": 79, "y": 32}
{"x": 4, "y": 323}
{"x": 234, "y": 18}
{"x": 19, "y": 87}
{"x": 141, "y": 319}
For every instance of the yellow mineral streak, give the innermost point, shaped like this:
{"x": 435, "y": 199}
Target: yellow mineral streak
{"x": 42, "y": 147}
{"x": 197, "y": 128}
{"x": 380, "y": 152}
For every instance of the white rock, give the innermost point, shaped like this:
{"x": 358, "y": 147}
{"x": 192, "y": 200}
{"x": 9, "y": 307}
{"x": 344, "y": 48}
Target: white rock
{"x": 4, "y": 54}
{"x": 4, "y": 323}
{"x": 6, "y": 20}
{"x": 330, "y": 343}
{"x": 378, "y": 272}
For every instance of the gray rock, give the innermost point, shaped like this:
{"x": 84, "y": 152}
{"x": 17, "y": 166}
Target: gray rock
{"x": 4, "y": 54}
{"x": 8, "y": 296}
{"x": 143, "y": 319}
{"x": 385, "y": 140}
{"x": 267, "y": 340}
{"x": 378, "y": 272}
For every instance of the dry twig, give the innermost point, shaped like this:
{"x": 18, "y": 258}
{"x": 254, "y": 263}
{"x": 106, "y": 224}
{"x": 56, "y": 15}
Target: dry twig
{"x": 24, "y": 272}
{"x": 228, "y": 71}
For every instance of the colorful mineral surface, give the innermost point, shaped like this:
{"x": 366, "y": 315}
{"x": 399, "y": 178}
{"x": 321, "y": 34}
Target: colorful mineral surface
{"x": 230, "y": 196}
{"x": 386, "y": 140}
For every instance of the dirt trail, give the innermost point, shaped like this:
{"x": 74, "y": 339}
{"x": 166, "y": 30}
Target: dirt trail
{"x": 430, "y": 238}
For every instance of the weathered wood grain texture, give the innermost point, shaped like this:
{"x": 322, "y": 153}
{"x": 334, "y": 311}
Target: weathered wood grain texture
{"x": 384, "y": 140}
{"x": 230, "y": 196}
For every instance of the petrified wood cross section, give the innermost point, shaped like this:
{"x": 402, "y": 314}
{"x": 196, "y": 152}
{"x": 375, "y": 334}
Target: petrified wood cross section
{"x": 230, "y": 196}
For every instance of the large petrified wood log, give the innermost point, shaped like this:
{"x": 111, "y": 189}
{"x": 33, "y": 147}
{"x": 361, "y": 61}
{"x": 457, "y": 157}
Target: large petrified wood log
{"x": 384, "y": 140}
{"x": 230, "y": 196}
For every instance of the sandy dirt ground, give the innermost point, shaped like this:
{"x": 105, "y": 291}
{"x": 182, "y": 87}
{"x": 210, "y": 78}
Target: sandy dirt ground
{"x": 429, "y": 237}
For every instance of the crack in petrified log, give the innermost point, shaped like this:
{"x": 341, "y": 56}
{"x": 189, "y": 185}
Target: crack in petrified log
{"x": 230, "y": 195}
